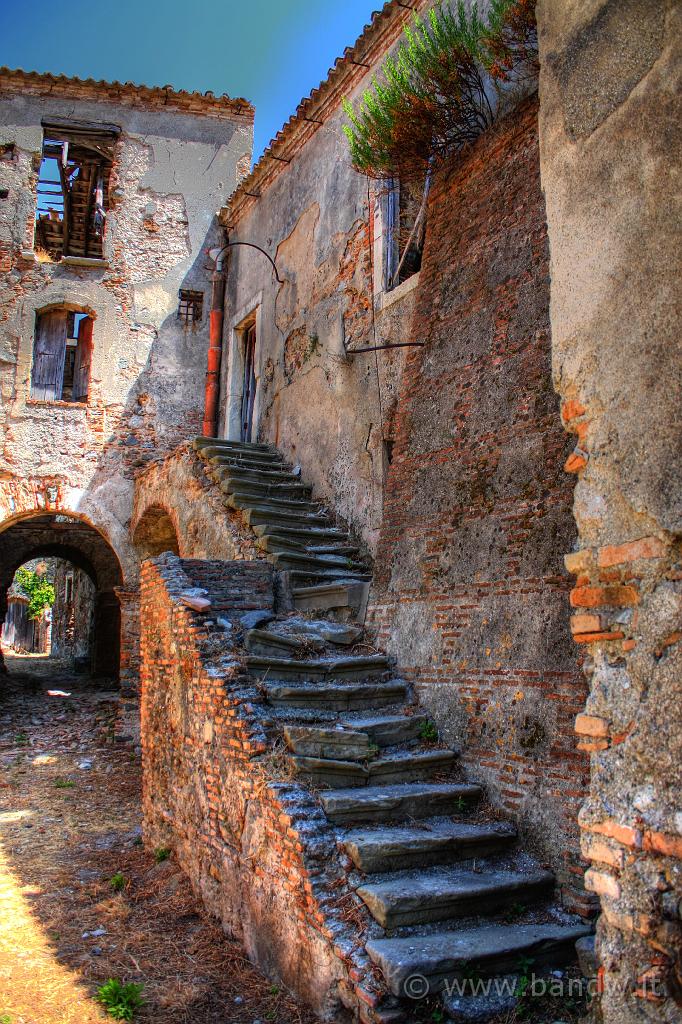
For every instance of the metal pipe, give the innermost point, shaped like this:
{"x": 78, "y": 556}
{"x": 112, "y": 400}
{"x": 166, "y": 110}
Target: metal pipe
{"x": 380, "y": 348}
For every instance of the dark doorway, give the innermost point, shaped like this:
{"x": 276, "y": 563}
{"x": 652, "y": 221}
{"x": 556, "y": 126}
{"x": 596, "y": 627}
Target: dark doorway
{"x": 249, "y": 382}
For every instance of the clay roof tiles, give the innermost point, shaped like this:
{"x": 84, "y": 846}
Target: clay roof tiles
{"x": 45, "y": 83}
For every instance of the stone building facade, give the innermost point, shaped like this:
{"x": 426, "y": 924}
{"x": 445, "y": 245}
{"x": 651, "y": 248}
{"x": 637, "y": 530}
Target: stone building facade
{"x": 107, "y": 208}
{"x": 524, "y": 431}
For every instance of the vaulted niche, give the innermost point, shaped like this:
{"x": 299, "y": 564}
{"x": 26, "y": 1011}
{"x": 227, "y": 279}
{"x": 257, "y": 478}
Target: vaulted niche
{"x": 73, "y": 188}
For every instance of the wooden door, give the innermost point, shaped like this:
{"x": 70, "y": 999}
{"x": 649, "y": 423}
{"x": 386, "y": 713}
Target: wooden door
{"x": 81, "y": 369}
{"x": 49, "y": 352}
{"x": 249, "y": 382}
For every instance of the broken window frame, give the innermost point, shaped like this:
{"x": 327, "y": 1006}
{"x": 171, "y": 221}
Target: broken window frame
{"x": 62, "y": 355}
{"x": 71, "y": 208}
{"x": 403, "y": 242}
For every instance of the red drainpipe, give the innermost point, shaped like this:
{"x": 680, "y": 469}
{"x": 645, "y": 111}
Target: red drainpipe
{"x": 215, "y": 350}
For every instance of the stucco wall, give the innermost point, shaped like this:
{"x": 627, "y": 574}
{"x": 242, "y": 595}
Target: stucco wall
{"x": 610, "y": 157}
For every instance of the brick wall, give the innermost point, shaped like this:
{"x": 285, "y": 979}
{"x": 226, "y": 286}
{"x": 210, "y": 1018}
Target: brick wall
{"x": 470, "y": 592}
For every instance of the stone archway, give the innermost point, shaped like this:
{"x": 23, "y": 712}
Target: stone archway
{"x": 58, "y": 535}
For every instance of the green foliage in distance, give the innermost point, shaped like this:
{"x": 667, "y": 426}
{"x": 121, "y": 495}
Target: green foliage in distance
{"x": 37, "y": 588}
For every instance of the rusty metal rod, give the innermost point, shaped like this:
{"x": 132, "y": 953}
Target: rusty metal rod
{"x": 380, "y": 348}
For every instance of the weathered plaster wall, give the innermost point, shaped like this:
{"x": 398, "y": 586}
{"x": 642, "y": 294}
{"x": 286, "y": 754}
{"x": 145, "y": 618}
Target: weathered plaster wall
{"x": 174, "y": 165}
{"x": 610, "y": 157}
{"x": 327, "y": 411}
{"x": 470, "y": 593}
{"x": 72, "y": 616}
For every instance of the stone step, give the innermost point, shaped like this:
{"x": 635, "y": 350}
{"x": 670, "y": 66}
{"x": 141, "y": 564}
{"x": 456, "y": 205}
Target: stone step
{"x": 324, "y": 629}
{"x": 301, "y": 534}
{"x": 350, "y": 667}
{"x": 382, "y": 771}
{"x": 316, "y": 741}
{"x": 266, "y": 514}
{"x": 444, "y": 893}
{"x": 317, "y": 577}
{"x": 395, "y": 803}
{"x": 336, "y": 697}
{"x": 493, "y": 949}
{"x": 387, "y": 730}
{"x": 484, "y": 1000}
{"x": 253, "y": 500}
{"x": 247, "y": 479}
{"x": 399, "y": 847}
{"x": 273, "y": 645}
{"x": 274, "y": 543}
{"x": 256, "y": 469}
{"x": 304, "y": 560}
{"x": 215, "y": 463}
{"x": 279, "y": 491}
{"x": 330, "y": 596}
{"x": 200, "y": 443}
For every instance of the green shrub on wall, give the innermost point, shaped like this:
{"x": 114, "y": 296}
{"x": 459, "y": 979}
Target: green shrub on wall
{"x": 442, "y": 88}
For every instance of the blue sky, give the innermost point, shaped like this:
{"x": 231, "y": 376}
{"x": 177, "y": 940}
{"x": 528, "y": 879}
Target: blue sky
{"x": 271, "y": 52}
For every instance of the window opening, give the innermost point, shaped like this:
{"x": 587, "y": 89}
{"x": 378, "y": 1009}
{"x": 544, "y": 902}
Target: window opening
{"x": 248, "y": 382}
{"x": 68, "y": 588}
{"x": 190, "y": 307}
{"x": 73, "y": 188}
{"x": 404, "y": 232}
{"x": 62, "y": 356}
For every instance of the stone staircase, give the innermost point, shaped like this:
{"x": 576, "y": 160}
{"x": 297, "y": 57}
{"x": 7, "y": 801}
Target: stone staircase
{"x": 441, "y": 887}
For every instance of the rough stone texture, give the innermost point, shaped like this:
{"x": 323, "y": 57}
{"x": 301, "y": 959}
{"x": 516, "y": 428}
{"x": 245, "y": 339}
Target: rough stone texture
{"x": 73, "y": 612}
{"x": 183, "y": 158}
{"x": 610, "y": 173}
{"x": 469, "y": 589}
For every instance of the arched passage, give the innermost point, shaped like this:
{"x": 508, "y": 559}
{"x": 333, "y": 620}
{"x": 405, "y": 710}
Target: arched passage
{"x": 155, "y": 533}
{"x": 55, "y": 535}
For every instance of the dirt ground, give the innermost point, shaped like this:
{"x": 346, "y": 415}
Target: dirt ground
{"x": 70, "y": 822}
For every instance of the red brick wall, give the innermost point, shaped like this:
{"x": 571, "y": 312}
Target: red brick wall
{"x": 470, "y": 590}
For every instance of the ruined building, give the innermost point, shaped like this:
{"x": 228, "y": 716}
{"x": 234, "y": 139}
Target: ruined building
{"x": 428, "y": 532}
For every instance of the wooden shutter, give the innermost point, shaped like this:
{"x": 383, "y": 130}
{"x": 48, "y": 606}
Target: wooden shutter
{"x": 49, "y": 352}
{"x": 81, "y": 368}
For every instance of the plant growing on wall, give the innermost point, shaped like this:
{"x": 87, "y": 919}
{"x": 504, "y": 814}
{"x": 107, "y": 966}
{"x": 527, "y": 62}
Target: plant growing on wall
{"x": 444, "y": 86}
{"x": 37, "y": 588}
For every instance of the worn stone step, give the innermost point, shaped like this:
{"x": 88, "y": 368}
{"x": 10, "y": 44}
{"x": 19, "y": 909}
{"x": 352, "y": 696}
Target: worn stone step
{"x": 394, "y": 848}
{"x": 265, "y": 514}
{"x": 396, "y": 803}
{"x": 317, "y": 577}
{"x": 386, "y": 730}
{"x": 483, "y": 1000}
{"x": 274, "y": 543}
{"x": 444, "y": 893}
{"x": 350, "y": 667}
{"x": 492, "y": 949}
{"x": 253, "y": 500}
{"x": 238, "y": 446}
{"x": 314, "y": 741}
{"x": 273, "y": 645}
{"x": 218, "y": 458}
{"x": 382, "y": 771}
{"x": 293, "y": 492}
{"x": 330, "y": 596}
{"x": 304, "y": 560}
{"x": 300, "y": 534}
{"x": 243, "y": 475}
{"x": 333, "y": 697}
{"x": 324, "y": 629}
